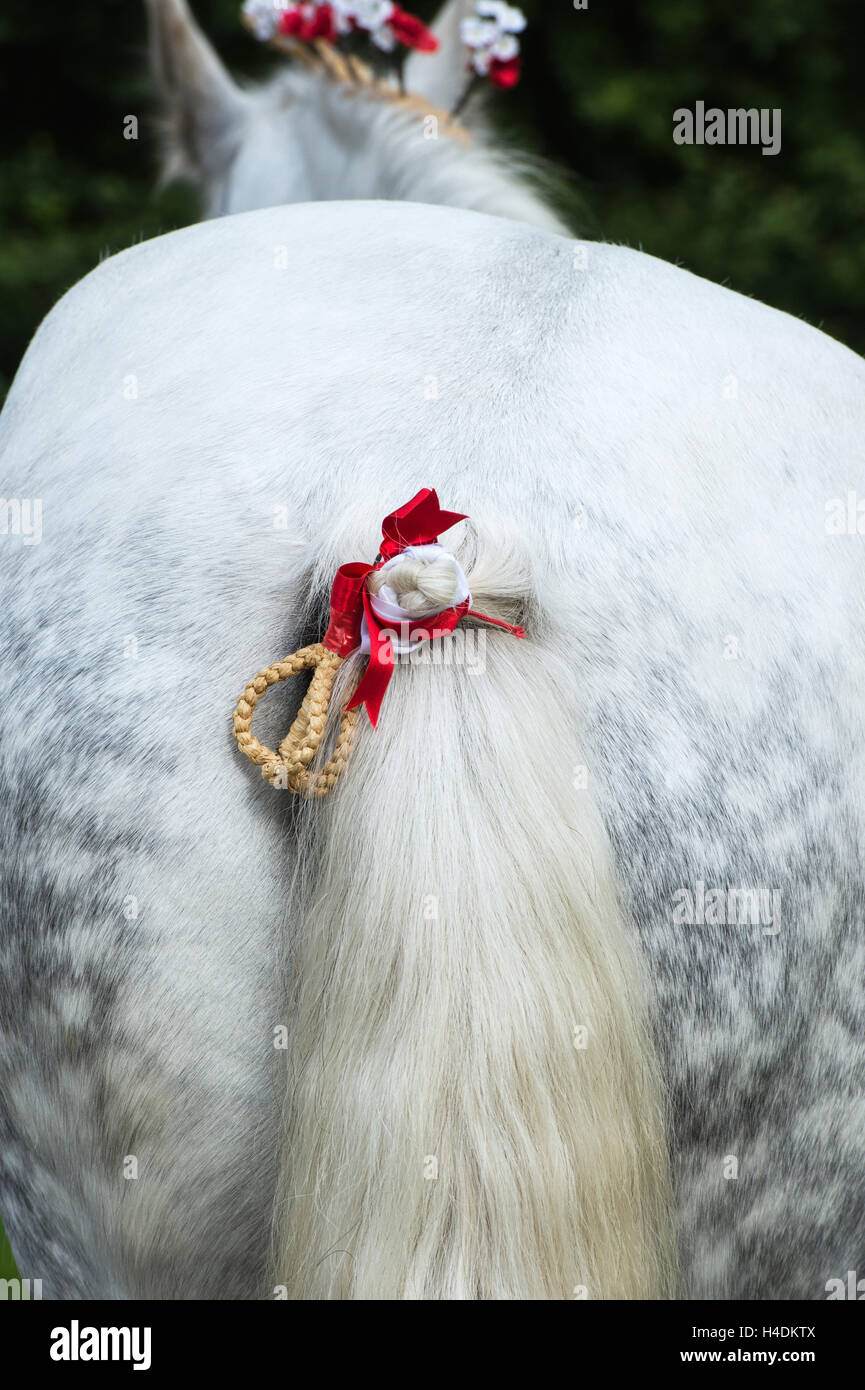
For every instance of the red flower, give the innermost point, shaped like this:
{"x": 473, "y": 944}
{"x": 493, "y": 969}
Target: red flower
{"x": 409, "y": 30}
{"x": 290, "y": 22}
{"x": 326, "y": 24}
{"x": 505, "y": 75}
{"x": 321, "y": 25}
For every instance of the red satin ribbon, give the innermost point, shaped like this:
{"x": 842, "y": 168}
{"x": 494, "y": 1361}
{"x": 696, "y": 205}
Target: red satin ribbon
{"x": 420, "y": 522}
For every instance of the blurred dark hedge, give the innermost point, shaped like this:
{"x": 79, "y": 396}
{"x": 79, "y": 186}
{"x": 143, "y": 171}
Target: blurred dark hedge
{"x": 600, "y": 88}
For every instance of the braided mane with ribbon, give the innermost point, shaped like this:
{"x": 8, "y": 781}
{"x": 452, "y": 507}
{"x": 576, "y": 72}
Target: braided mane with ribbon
{"x": 329, "y": 38}
{"x": 365, "y": 615}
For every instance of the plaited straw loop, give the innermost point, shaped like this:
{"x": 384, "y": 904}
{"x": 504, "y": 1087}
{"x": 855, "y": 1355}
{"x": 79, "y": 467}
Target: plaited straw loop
{"x": 289, "y": 767}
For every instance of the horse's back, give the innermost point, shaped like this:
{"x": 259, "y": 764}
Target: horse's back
{"x": 203, "y": 420}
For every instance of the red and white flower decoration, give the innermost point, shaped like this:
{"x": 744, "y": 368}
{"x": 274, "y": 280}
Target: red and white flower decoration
{"x": 491, "y": 36}
{"x": 387, "y": 25}
{"x": 308, "y": 22}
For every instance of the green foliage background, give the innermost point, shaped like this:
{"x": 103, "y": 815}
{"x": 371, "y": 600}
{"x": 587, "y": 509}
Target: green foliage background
{"x": 600, "y": 88}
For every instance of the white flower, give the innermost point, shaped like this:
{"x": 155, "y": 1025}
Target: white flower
{"x": 505, "y": 48}
{"x": 371, "y": 15}
{"x": 343, "y": 14}
{"x": 491, "y": 34}
{"x": 264, "y": 17}
{"x": 478, "y": 33}
{"x": 508, "y": 18}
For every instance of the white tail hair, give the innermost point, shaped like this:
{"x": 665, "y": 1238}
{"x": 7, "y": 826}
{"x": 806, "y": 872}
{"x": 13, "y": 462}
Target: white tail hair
{"x": 473, "y": 1107}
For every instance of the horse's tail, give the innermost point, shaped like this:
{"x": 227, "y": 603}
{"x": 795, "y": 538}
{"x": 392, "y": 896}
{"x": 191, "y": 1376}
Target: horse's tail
{"x": 473, "y": 1105}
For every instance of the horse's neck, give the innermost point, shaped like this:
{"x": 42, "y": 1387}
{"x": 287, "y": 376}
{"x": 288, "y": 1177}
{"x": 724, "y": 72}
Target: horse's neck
{"x": 365, "y": 148}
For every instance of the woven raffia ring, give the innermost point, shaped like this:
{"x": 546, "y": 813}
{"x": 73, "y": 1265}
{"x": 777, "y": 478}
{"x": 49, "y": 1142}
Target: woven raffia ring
{"x": 289, "y": 768}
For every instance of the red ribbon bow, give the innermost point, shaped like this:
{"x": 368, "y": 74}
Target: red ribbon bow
{"x": 419, "y": 522}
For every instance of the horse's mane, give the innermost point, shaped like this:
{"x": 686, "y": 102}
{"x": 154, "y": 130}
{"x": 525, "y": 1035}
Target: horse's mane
{"x": 351, "y": 72}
